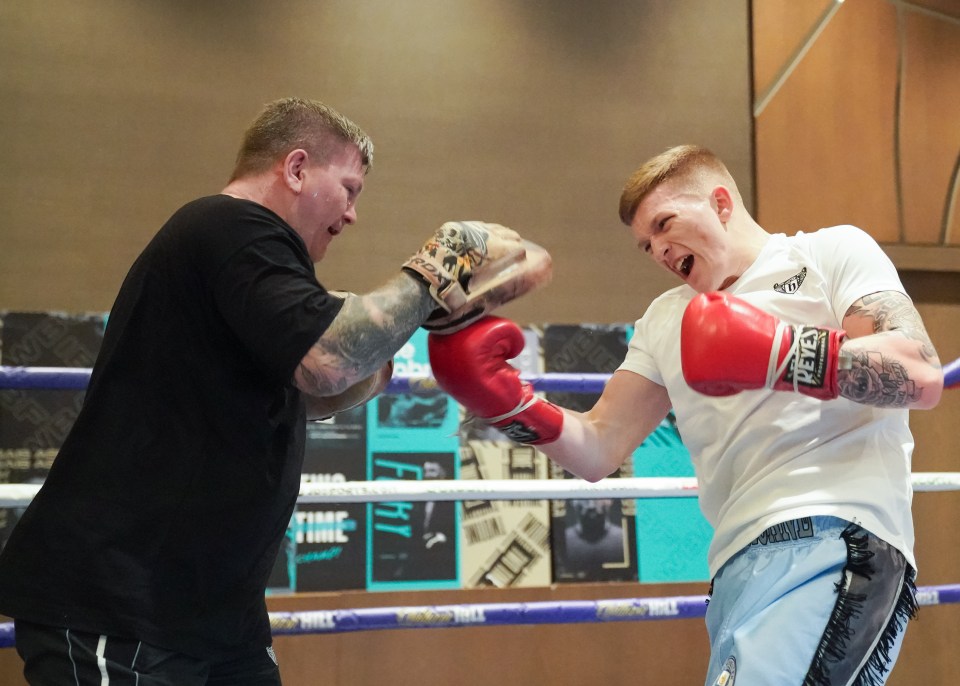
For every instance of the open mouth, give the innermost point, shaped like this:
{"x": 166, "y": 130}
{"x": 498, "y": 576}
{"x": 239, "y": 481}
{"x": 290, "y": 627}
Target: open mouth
{"x": 684, "y": 265}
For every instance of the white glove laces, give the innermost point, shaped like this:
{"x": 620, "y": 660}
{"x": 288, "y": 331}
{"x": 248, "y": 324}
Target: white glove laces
{"x": 524, "y": 404}
{"x": 773, "y": 371}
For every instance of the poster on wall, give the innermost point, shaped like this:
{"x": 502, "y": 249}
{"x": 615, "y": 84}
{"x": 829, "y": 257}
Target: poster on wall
{"x": 672, "y": 535}
{"x": 412, "y": 436}
{"x": 505, "y": 542}
{"x": 592, "y": 539}
{"x": 325, "y": 546}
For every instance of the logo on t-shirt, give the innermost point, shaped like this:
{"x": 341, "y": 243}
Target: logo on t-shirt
{"x": 791, "y": 285}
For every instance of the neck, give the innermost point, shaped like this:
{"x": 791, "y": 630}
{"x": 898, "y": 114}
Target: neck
{"x": 750, "y": 240}
{"x": 263, "y": 190}
{"x": 254, "y": 188}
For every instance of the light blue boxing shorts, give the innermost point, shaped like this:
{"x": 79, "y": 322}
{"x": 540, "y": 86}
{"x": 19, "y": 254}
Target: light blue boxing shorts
{"x": 815, "y": 601}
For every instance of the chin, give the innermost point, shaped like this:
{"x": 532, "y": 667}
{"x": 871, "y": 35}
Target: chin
{"x": 318, "y": 251}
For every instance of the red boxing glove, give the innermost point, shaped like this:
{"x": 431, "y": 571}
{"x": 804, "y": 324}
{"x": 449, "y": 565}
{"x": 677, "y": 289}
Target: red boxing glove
{"x": 727, "y": 345}
{"x": 471, "y": 365}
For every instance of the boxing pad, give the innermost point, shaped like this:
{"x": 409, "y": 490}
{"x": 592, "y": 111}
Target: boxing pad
{"x": 472, "y": 267}
{"x": 498, "y": 283}
{"x": 727, "y": 345}
{"x": 472, "y": 366}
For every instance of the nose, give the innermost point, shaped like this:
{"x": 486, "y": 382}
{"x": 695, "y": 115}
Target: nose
{"x": 659, "y": 247}
{"x": 350, "y": 216}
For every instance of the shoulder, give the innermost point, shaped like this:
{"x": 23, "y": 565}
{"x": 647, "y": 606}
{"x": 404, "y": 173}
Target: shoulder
{"x": 220, "y": 225}
{"x": 661, "y": 320}
{"x": 217, "y": 210}
{"x": 832, "y": 237}
{"x": 670, "y": 301}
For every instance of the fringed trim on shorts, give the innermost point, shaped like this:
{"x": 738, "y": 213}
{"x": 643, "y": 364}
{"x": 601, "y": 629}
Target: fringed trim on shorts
{"x": 838, "y": 633}
{"x": 879, "y": 662}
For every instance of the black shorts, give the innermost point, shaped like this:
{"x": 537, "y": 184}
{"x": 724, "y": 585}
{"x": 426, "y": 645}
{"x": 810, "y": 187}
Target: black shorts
{"x": 55, "y": 656}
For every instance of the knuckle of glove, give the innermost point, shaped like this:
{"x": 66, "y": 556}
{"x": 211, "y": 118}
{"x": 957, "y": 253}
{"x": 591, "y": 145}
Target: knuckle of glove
{"x": 448, "y": 259}
{"x": 472, "y": 366}
{"x": 495, "y": 284}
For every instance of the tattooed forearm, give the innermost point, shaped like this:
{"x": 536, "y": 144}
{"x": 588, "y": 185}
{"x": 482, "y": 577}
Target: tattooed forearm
{"x": 888, "y": 359}
{"x": 892, "y": 311}
{"x": 365, "y": 334}
{"x": 875, "y": 380}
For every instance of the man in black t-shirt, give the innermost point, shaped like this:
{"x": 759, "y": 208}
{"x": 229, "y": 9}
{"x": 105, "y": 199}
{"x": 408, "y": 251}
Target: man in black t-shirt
{"x": 146, "y": 553}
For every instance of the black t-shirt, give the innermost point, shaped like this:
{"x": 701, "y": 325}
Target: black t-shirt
{"x": 163, "y": 512}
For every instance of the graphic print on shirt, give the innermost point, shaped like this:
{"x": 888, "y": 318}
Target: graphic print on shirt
{"x": 791, "y": 285}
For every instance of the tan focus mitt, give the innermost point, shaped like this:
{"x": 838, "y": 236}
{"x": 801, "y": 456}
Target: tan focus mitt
{"x": 495, "y": 285}
{"x": 473, "y": 267}
{"x": 358, "y": 394}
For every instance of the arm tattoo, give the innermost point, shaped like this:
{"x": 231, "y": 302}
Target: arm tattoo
{"x": 365, "y": 334}
{"x": 892, "y": 311}
{"x": 875, "y": 380}
{"x": 872, "y": 377}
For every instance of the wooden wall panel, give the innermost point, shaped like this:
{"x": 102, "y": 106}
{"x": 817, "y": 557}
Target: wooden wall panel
{"x": 825, "y": 141}
{"x": 860, "y": 122}
{"x": 864, "y": 129}
{"x": 779, "y": 30}
{"x": 930, "y": 129}
{"x": 665, "y": 652}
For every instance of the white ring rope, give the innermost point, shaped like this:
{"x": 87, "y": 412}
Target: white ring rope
{"x": 19, "y": 495}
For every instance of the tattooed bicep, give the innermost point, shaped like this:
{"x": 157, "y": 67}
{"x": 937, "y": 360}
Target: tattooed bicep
{"x": 887, "y": 311}
{"x": 884, "y": 311}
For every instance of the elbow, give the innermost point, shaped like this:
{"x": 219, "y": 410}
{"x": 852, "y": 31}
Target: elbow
{"x": 588, "y": 470}
{"x": 930, "y": 391}
{"x": 599, "y": 470}
{"x": 593, "y": 476}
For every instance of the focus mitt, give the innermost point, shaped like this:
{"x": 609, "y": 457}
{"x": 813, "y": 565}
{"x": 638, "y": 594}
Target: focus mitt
{"x": 471, "y": 267}
{"x": 495, "y": 284}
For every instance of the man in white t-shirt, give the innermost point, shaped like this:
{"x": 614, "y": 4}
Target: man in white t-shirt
{"x": 791, "y": 364}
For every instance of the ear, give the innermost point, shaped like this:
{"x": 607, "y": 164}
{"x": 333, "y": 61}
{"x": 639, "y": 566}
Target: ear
{"x": 293, "y": 167}
{"x": 722, "y": 202}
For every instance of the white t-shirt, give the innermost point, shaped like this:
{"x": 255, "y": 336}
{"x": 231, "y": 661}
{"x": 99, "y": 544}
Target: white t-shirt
{"x": 764, "y": 457}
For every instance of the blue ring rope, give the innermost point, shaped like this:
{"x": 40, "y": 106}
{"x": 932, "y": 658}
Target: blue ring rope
{"x": 77, "y": 378}
{"x": 504, "y": 614}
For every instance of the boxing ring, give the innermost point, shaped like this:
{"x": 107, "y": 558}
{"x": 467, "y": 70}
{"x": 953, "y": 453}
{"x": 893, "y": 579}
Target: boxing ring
{"x": 481, "y": 614}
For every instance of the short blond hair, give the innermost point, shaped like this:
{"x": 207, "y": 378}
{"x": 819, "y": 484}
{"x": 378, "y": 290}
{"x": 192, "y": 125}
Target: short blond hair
{"x": 690, "y": 163}
{"x": 291, "y": 123}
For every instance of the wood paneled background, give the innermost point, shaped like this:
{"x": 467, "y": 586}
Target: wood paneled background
{"x": 857, "y": 121}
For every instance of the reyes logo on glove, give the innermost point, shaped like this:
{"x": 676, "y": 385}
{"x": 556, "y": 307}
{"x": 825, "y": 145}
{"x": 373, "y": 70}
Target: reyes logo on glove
{"x": 808, "y": 365}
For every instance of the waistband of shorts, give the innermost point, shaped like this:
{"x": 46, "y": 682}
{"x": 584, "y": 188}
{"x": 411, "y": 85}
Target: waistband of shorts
{"x": 801, "y": 529}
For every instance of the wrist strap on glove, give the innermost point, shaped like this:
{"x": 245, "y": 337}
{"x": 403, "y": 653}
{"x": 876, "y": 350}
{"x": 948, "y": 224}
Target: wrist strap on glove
{"x": 774, "y": 372}
{"x": 810, "y": 363}
{"x": 533, "y": 421}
